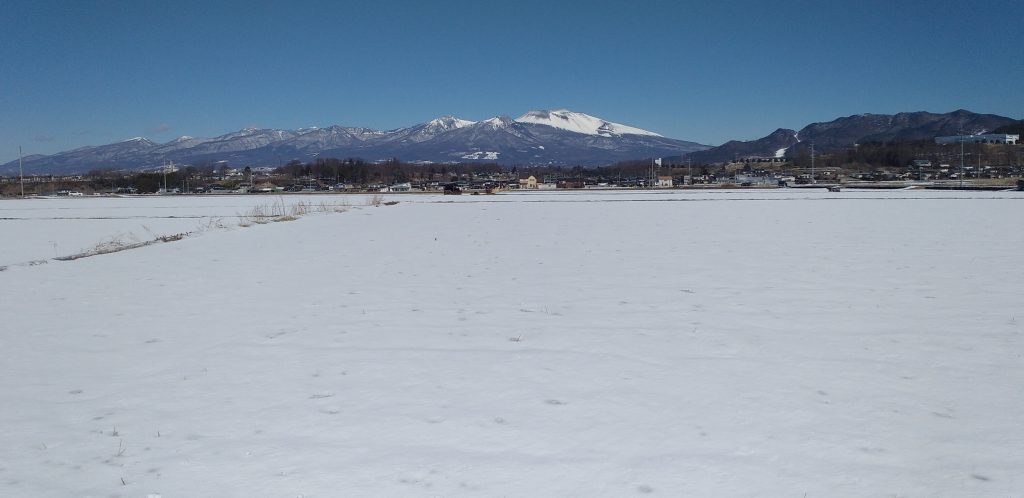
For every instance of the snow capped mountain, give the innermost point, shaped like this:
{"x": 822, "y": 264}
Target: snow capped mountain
{"x": 578, "y": 122}
{"x": 183, "y": 142}
{"x": 445, "y": 123}
{"x": 559, "y": 137}
{"x": 144, "y": 142}
{"x": 429, "y": 130}
{"x": 511, "y": 141}
{"x": 497, "y": 122}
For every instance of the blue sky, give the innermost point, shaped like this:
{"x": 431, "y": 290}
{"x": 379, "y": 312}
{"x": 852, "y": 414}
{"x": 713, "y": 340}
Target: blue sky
{"x": 75, "y": 73}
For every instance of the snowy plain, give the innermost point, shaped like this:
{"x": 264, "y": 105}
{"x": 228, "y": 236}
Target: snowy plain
{"x": 782, "y": 343}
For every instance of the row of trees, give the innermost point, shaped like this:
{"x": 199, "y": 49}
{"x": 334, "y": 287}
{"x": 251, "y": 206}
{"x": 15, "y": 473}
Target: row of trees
{"x": 358, "y": 171}
{"x": 902, "y": 154}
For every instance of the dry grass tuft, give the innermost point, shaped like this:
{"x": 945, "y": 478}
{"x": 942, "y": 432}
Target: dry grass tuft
{"x": 120, "y": 243}
{"x": 280, "y": 211}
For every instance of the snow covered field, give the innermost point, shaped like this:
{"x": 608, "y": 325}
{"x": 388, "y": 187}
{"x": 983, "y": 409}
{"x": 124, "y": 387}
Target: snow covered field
{"x": 749, "y": 343}
{"x": 54, "y": 227}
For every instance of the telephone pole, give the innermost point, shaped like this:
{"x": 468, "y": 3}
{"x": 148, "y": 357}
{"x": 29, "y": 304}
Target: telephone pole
{"x": 812, "y": 164}
{"x": 21, "y": 174}
{"x": 961, "y": 158}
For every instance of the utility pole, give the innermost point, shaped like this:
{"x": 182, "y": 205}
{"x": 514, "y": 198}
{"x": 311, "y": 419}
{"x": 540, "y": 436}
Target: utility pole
{"x": 21, "y": 173}
{"x": 812, "y": 164}
{"x": 961, "y": 158}
{"x": 316, "y": 161}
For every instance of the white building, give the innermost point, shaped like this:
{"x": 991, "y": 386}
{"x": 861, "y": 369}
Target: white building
{"x": 991, "y": 138}
{"x": 398, "y": 187}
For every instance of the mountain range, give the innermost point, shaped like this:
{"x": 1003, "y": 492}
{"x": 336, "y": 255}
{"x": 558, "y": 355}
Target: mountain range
{"x": 557, "y": 138}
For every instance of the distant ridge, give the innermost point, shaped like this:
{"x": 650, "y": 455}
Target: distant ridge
{"x": 860, "y": 128}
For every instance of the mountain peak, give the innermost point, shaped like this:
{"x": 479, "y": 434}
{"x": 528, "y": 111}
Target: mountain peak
{"x": 578, "y": 122}
{"x": 498, "y": 122}
{"x": 449, "y": 122}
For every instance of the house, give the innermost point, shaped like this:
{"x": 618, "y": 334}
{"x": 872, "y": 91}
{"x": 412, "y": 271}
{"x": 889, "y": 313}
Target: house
{"x": 528, "y": 183}
{"x": 664, "y": 182}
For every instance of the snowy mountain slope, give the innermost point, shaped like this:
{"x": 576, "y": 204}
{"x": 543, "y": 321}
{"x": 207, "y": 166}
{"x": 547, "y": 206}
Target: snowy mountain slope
{"x": 183, "y": 142}
{"x": 426, "y": 131}
{"x": 578, "y": 122}
{"x": 468, "y": 141}
{"x": 510, "y": 141}
{"x": 246, "y": 139}
{"x": 319, "y": 139}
